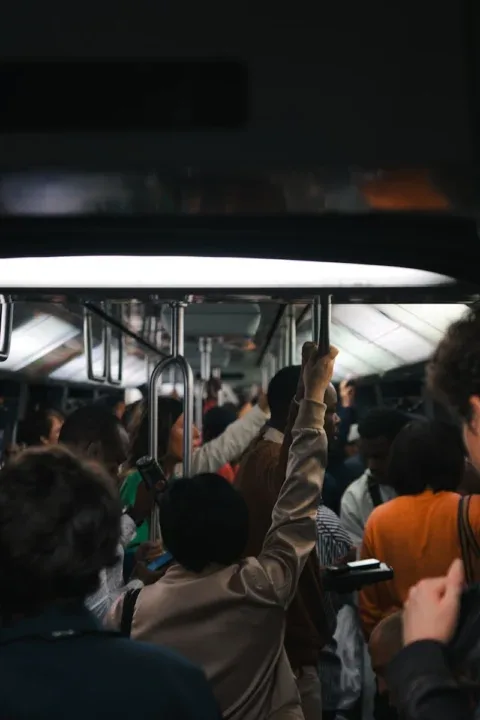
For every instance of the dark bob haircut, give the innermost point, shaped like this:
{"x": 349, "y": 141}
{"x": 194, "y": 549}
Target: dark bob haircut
{"x": 204, "y": 521}
{"x": 59, "y": 527}
{"x": 426, "y": 455}
{"x": 453, "y": 374}
{"x": 169, "y": 410}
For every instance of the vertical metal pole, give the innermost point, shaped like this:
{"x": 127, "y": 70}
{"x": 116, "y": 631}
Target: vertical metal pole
{"x": 217, "y": 373}
{"x": 291, "y": 336}
{"x": 208, "y": 358}
{"x": 286, "y": 339}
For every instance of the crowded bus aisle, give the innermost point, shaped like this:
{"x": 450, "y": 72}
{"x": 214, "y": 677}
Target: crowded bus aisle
{"x": 227, "y": 584}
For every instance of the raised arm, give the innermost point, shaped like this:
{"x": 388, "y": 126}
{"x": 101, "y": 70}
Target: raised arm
{"x": 292, "y": 534}
{"x": 230, "y": 444}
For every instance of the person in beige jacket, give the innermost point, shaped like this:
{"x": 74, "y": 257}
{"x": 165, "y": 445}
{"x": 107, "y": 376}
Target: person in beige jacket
{"x": 226, "y": 614}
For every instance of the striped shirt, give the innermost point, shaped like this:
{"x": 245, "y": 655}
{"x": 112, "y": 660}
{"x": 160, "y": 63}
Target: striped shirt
{"x": 333, "y": 543}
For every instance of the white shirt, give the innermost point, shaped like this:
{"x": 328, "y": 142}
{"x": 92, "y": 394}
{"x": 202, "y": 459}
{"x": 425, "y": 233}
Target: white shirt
{"x": 111, "y": 579}
{"x": 356, "y": 506}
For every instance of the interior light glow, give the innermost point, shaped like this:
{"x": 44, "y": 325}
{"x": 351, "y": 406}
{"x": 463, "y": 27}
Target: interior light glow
{"x": 202, "y": 272}
{"x": 35, "y": 339}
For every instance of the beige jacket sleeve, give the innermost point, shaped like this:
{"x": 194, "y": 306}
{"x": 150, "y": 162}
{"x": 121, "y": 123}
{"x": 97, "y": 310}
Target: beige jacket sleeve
{"x": 230, "y": 444}
{"x": 292, "y": 535}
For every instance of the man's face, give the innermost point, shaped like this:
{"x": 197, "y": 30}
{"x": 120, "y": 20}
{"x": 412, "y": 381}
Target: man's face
{"x": 332, "y": 420}
{"x": 471, "y": 433}
{"x": 375, "y": 453}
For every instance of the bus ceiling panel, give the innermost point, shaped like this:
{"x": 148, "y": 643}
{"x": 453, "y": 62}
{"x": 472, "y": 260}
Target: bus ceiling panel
{"x": 37, "y": 338}
{"x": 194, "y": 195}
{"x": 218, "y": 319}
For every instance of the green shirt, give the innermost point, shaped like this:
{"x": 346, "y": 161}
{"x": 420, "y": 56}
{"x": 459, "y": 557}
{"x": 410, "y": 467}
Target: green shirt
{"x": 128, "y": 494}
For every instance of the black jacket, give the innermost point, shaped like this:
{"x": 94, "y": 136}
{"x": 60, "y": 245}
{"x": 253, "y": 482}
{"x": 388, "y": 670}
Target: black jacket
{"x": 422, "y": 686}
{"x": 63, "y": 665}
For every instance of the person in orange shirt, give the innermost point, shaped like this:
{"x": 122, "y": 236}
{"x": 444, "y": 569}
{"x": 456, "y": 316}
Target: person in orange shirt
{"x": 417, "y": 532}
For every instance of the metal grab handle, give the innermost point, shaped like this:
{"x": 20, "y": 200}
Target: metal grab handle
{"x": 88, "y": 342}
{"x": 186, "y": 371}
{"x": 111, "y": 335}
{"x": 321, "y": 311}
{"x": 6, "y": 325}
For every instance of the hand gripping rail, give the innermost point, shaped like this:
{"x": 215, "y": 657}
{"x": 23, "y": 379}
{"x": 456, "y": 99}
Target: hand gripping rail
{"x": 108, "y": 336}
{"x": 6, "y": 324}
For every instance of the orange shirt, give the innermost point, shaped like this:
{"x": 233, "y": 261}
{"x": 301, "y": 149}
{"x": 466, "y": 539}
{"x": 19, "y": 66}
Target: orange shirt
{"x": 417, "y": 535}
{"x": 227, "y": 472}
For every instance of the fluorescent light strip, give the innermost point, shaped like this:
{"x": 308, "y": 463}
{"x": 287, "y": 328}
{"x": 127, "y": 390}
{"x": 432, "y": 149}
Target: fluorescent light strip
{"x": 203, "y": 273}
{"x": 35, "y": 339}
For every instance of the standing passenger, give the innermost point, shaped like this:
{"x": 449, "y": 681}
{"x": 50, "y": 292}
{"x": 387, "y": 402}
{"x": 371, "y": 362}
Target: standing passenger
{"x": 377, "y": 432}
{"x": 228, "y": 613}
{"x": 40, "y": 427}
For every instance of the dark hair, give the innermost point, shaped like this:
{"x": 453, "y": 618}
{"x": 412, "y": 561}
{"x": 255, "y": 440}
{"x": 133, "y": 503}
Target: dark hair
{"x": 426, "y": 454}
{"x": 131, "y": 415}
{"x": 382, "y": 422}
{"x": 453, "y": 374}
{"x": 216, "y": 421}
{"x": 37, "y": 425}
{"x": 59, "y": 527}
{"x": 94, "y": 425}
{"x": 169, "y": 410}
{"x": 281, "y": 391}
{"x": 204, "y": 520}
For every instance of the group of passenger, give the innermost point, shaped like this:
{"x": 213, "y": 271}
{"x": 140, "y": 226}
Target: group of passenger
{"x": 238, "y": 624}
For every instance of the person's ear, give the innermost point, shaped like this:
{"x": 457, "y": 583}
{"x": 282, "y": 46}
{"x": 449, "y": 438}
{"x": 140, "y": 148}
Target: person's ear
{"x": 475, "y": 419}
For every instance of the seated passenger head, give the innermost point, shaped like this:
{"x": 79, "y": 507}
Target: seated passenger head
{"x": 59, "y": 527}
{"x": 426, "y": 455}
{"x": 377, "y": 431}
{"x": 94, "y": 431}
{"x": 216, "y": 421}
{"x": 170, "y": 434}
{"x": 40, "y": 427}
{"x": 454, "y": 377}
{"x": 204, "y": 521}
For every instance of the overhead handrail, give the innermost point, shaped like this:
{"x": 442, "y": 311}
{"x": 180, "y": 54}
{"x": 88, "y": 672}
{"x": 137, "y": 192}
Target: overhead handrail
{"x": 88, "y": 342}
{"x": 6, "y": 326}
{"x": 113, "y": 335}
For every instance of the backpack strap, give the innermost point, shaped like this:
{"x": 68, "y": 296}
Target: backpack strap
{"x": 128, "y": 609}
{"x": 375, "y": 495}
{"x": 468, "y": 542}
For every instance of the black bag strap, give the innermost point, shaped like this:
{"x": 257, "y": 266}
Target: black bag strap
{"x": 128, "y": 609}
{"x": 374, "y": 492}
{"x": 468, "y": 542}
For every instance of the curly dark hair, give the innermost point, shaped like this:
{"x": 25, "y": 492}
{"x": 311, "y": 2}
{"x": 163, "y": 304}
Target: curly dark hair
{"x": 59, "y": 527}
{"x": 426, "y": 454}
{"x": 453, "y": 374}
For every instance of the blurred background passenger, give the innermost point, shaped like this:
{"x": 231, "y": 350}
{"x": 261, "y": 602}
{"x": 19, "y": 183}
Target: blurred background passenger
{"x": 55, "y": 660}
{"x": 40, "y": 427}
{"x": 215, "y": 422}
{"x": 93, "y": 431}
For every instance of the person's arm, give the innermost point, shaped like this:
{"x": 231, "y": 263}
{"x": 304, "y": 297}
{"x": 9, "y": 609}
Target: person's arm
{"x": 292, "y": 534}
{"x": 230, "y": 444}
{"x": 422, "y": 686}
{"x": 350, "y": 517}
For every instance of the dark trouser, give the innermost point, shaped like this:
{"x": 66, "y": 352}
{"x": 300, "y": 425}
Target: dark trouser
{"x": 354, "y": 713}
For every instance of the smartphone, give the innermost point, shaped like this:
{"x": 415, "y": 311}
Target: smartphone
{"x": 370, "y": 564}
{"x": 160, "y": 562}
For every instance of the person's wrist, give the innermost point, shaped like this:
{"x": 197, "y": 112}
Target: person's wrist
{"x": 315, "y": 396}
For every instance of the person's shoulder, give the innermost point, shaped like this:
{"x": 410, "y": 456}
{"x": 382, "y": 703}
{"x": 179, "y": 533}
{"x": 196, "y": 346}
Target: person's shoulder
{"x": 356, "y": 489}
{"x": 383, "y": 514}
